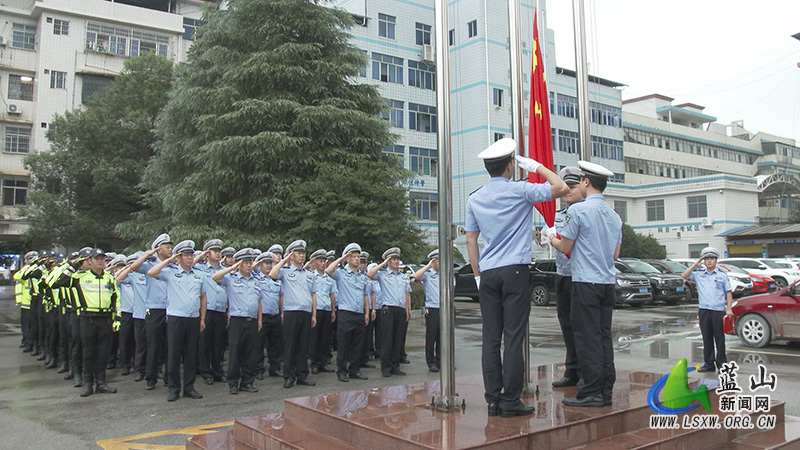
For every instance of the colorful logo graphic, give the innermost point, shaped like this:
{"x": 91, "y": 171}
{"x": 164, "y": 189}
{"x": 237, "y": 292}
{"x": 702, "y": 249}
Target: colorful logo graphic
{"x": 678, "y": 398}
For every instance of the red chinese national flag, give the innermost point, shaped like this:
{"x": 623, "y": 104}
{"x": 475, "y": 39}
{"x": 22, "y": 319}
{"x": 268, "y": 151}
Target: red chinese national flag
{"x": 540, "y": 145}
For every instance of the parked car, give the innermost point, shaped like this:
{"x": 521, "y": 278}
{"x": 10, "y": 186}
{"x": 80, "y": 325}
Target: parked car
{"x": 632, "y": 289}
{"x": 786, "y": 263}
{"x": 676, "y": 268}
{"x": 668, "y": 288}
{"x": 782, "y": 276}
{"x": 761, "y": 283}
{"x": 762, "y": 319}
{"x": 741, "y": 283}
{"x": 687, "y": 262}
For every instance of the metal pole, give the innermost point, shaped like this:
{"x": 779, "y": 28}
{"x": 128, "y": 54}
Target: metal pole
{"x": 517, "y": 113}
{"x": 448, "y": 399}
{"x": 582, "y": 79}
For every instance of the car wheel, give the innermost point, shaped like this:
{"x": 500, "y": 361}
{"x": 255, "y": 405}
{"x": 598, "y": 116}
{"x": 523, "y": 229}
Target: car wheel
{"x": 539, "y": 295}
{"x": 754, "y": 331}
{"x": 780, "y": 283}
{"x": 687, "y": 296}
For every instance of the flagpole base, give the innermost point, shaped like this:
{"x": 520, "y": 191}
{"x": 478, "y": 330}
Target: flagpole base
{"x": 449, "y": 403}
{"x": 530, "y": 390}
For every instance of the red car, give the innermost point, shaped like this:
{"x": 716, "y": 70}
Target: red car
{"x": 761, "y": 319}
{"x": 761, "y": 283}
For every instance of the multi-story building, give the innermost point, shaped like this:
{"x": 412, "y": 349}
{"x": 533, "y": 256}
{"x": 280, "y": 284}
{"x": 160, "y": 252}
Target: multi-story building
{"x": 56, "y": 54}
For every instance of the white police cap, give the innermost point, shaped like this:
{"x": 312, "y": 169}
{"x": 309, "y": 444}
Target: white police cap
{"x": 570, "y": 175}
{"x": 31, "y": 255}
{"x": 227, "y": 251}
{"x": 296, "y": 246}
{"x": 394, "y": 251}
{"x": 321, "y": 253}
{"x": 499, "y": 149}
{"x": 265, "y": 257}
{"x": 434, "y": 254}
{"x": 276, "y": 249}
{"x": 131, "y": 258}
{"x": 331, "y": 255}
{"x": 213, "y": 244}
{"x": 186, "y": 246}
{"x": 709, "y": 252}
{"x": 161, "y": 240}
{"x": 364, "y": 256}
{"x": 245, "y": 254}
{"x": 118, "y": 260}
{"x": 350, "y": 248}
{"x": 592, "y": 170}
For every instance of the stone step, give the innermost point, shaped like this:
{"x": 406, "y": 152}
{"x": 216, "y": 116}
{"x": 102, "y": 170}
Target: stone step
{"x": 220, "y": 440}
{"x": 276, "y": 432}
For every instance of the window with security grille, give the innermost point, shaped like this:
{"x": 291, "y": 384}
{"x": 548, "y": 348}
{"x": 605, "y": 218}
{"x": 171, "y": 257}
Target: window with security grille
{"x": 124, "y": 41}
{"x": 18, "y": 139}
{"x": 58, "y": 80}
{"x": 61, "y": 27}
{"x": 20, "y": 87}
{"x": 15, "y": 192}
{"x": 23, "y": 36}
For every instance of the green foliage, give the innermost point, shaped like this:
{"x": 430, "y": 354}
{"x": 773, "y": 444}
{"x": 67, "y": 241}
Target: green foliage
{"x": 417, "y": 295}
{"x": 635, "y": 245}
{"x": 267, "y": 138}
{"x": 87, "y": 183}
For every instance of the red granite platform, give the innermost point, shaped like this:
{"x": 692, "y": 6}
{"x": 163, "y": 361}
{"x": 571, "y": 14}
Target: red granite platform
{"x": 401, "y": 417}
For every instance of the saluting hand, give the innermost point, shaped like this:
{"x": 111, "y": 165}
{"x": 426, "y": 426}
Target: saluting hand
{"x": 531, "y": 165}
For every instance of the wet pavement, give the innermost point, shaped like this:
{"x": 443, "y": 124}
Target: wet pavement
{"x": 40, "y": 410}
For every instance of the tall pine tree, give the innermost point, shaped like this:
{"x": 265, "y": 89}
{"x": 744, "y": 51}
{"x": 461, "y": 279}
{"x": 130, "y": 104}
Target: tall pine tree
{"x": 267, "y": 137}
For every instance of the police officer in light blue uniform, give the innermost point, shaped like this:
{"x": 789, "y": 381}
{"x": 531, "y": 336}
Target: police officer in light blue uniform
{"x": 156, "y": 303}
{"x": 429, "y": 276}
{"x": 354, "y": 312}
{"x": 186, "y": 311}
{"x": 592, "y": 235}
{"x": 271, "y": 334}
{"x": 572, "y": 176}
{"x": 138, "y": 284}
{"x": 212, "y": 339}
{"x": 244, "y": 308}
{"x": 502, "y": 212}
{"x": 299, "y": 309}
{"x": 326, "y": 313}
{"x": 395, "y": 311}
{"x": 127, "y": 302}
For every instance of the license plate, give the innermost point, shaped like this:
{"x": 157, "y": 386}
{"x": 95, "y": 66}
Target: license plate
{"x": 772, "y": 285}
{"x": 644, "y": 290}
{"x": 680, "y": 289}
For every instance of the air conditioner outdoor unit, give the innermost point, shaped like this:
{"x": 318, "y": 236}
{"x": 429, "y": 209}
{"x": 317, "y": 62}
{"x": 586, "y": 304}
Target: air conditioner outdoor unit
{"x": 707, "y": 221}
{"x": 14, "y": 109}
{"x": 2, "y": 41}
{"x": 427, "y": 53}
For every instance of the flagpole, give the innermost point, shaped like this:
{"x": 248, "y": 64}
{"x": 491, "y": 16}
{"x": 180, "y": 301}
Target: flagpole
{"x": 582, "y": 80}
{"x": 448, "y": 400}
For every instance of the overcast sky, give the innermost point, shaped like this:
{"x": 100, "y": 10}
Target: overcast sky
{"x": 735, "y": 57}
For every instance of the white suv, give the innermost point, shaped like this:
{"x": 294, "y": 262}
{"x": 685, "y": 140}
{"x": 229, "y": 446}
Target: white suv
{"x": 782, "y": 276}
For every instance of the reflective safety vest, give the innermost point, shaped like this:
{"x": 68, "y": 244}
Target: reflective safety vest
{"x": 22, "y": 289}
{"x": 97, "y": 293}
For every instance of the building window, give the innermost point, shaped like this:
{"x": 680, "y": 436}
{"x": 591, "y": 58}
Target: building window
{"x": 655, "y": 210}
{"x": 569, "y": 142}
{"x": 18, "y": 140}
{"x": 124, "y": 41}
{"x": 424, "y": 206}
{"x": 552, "y": 102}
{"x": 422, "y": 118}
{"x": 190, "y": 28}
{"x": 605, "y": 115}
{"x": 94, "y": 85}
{"x": 697, "y": 206}
{"x": 61, "y": 27}
{"x": 423, "y": 34}
{"x": 387, "y": 68}
{"x": 497, "y": 97}
{"x": 386, "y": 25}
{"x": 695, "y": 249}
{"x": 15, "y": 192}
{"x": 398, "y": 152}
{"x": 395, "y": 114}
{"x": 607, "y": 148}
{"x": 58, "y": 80}
{"x": 422, "y": 75}
{"x": 621, "y": 207}
{"x": 452, "y": 36}
{"x": 472, "y": 29}
{"x": 567, "y": 106}
{"x": 498, "y": 136}
{"x": 23, "y": 36}
{"x": 423, "y": 161}
{"x": 20, "y": 87}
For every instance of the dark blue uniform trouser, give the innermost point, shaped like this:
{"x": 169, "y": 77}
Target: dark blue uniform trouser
{"x": 140, "y": 353}
{"x": 296, "y": 336}
{"x": 96, "y": 340}
{"x": 350, "y": 341}
{"x": 270, "y": 338}
{"x": 393, "y": 325}
{"x": 183, "y": 337}
{"x": 212, "y": 344}
{"x": 713, "y": 335}
{"x": 155, "y": 324}
{"x": 63, "y": 338}
{"x": 126, "y": 340}
{"x": 320, "y": 339}
{"x": 25, "y": 323}
{"x": 243, "y": 345}
{"x": 592, "y": 308}
{"x": 76, "y": 346}
{"x": 563, "y": 309}
{"x": 432, "y": 325}
{"x": 505, "y": 297}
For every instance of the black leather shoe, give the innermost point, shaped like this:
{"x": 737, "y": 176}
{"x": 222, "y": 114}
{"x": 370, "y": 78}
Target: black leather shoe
{"x": 87, "y": 390}
{"x": 27, "y": 350}
{"x": 208, "y": 381}
{"x": 77, "y": 381}
{"x": 150, "y": 385}
{"x": 248, "y": 388}
{"x": 607, "y": 402}
{"x": 368, "y": 366}
{"x": 405, "y": 361}
{"x": 289, "y": 382}
{"x": 305, "y": 382}
{"x": 221, "y": 379}
{"x": 520, "y": 410}
{"x": 63, "y": 369}
{"x": 277, "y": 374}
{"x": 138, "y": 377}
{"x": 707, "y": 368}
{"x": 173, "y": 396}
{"x": 41, "y": 357}
{"x": 69, "y": 376}
{"x": 564, "y": 382}
{"x": 193, "y": 394}
{"x": 398, "y": 372}
{"x": 103, "y": 388}
{"x": 326, "y": 369}
{"x": 359, "y": 376}
{"x": 343, "y": 378}
{"x": 111, "y": 365}
{"x": 315, "y": 370}
{"x": 233, "y": 389}
{"x": 52, "y": 365}
{"x": 260, "y": 376}
{"x": 386, "y": 374}
{"x": 594, "y": 401}
{"x": 125, "y": 371}
{"x": 433, "y": 369}
{"x": 493, "y": 409}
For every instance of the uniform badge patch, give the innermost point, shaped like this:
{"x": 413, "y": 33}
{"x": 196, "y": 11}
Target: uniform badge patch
{"x": 566, "y": 219}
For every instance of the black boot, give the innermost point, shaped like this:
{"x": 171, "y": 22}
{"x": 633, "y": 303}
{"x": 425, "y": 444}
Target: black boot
{"x": 70, "y": 374}
{"x": 36, "y": 349}
{"x": 77, "y": 381}
{"x": 102, "y": 387}
{"x": 64, "y": 368}
{"x": 87, "y": 387}
{"x": 52, "y": 363}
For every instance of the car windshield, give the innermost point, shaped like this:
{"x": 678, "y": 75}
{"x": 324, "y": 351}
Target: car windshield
{"x": 675, "y": 266}
{"x": 641, "y": 267}
{"x": 772, "y": 264}
{"x": 734, "y": 269}
{"x": 785, "y": 265}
